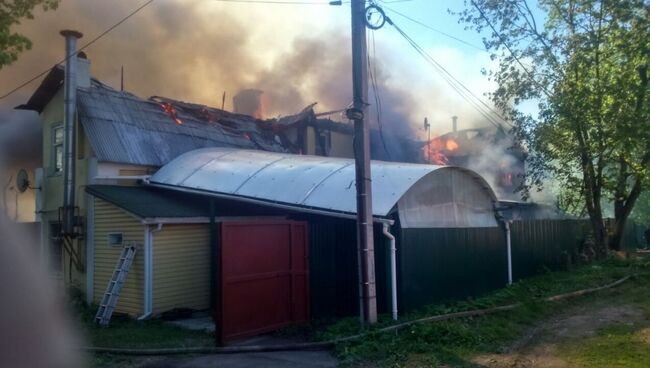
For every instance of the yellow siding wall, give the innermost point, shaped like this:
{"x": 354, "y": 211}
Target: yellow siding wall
{"x": 111, "y": 219}
{"x": 181, "y": 267}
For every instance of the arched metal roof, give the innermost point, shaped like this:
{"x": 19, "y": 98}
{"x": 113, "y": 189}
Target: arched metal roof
{"x": 315, "y": 182}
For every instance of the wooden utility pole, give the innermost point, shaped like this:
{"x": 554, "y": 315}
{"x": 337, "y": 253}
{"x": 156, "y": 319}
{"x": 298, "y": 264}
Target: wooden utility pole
{"x": 365, "y": 245}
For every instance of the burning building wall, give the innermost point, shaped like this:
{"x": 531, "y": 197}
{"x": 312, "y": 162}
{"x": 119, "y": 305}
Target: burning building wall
{"x": 492, "y": 152}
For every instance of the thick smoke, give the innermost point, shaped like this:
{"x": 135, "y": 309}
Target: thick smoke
{"x": 194, "y": 51}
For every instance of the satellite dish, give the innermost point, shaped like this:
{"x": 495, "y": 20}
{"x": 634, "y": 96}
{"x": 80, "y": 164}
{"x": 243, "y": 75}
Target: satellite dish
{"x": 22, "y": 181}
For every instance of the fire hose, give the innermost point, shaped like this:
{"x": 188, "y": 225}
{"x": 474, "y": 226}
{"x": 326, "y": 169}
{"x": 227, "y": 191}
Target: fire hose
{"x": 321, "y": 345}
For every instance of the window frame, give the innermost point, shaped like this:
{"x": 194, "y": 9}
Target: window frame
{"x": 54, "y": 171}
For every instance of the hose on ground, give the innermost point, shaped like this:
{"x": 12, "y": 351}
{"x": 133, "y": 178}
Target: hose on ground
{"x": 321, "y": 345}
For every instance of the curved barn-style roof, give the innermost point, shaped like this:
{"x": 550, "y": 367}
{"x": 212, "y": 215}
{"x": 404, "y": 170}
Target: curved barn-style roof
{"x": 321, "y": 183}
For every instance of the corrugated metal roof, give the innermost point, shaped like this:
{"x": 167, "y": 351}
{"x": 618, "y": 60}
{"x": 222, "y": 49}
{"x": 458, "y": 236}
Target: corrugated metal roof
{"x": 323, "y": 183}
{"x": 124, "y": 128}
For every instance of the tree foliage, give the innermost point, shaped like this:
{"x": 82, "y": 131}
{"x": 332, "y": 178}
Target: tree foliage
{"x": 586, "y": 66}
{"x": 11, "y": 13}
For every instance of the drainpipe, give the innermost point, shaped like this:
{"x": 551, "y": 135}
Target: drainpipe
{"x": 70, "y": 105}
{"x": 393, "y": 270}
{"x": 148, "y": 270}
{"x": 509, "y": 250}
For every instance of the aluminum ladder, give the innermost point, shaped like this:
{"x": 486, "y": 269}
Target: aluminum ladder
{"x": 114, "y": 287}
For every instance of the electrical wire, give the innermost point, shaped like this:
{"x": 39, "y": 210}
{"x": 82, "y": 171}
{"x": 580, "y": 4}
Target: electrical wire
{"x": 479, "y": 105}
{"x": 108, "y": 30}
{"x": 283, "y": 2}
{"x": 434, "y": 29}
{"x": 372, "y": 73}
{"x": 512, "y": 53}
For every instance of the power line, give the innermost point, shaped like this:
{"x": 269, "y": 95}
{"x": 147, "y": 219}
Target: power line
{"x": 283, "y": 2}
{"x": 478, "y": 104}
{"x": 501, "y": 40}
{"x": 134, "y": 12}
{"x": 372, "y": 71}
{"x": 434, "y": 29}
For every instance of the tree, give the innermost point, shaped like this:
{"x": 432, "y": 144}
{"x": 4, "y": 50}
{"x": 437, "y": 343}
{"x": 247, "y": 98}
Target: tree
{"x": 11, "y": 12}
{"x": 586, "y": 67}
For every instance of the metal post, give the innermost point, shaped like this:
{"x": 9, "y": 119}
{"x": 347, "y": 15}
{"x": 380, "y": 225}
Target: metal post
{"x": 69, "y": 107}
{"x": 362, "y": 162}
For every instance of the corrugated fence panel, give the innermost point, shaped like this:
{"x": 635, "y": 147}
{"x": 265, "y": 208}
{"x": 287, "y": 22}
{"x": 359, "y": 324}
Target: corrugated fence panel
{"x": 540, "y": 245}
{"x": 444, "y": 264}
{"x": 333, "y": 268}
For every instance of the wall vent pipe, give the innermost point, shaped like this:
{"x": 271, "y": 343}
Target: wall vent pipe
{"x": 69, "y": 109}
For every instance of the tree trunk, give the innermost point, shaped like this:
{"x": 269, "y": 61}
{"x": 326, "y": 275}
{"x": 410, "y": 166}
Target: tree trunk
{"x": 617, "y": 235}
{"x": 600, "y": 234}
{"x": 622, "y": 209}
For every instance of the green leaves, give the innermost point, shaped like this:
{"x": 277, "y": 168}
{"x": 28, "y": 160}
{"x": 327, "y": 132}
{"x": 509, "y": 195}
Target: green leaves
{"x": 587, "y": 66}
{"x": 11, "y": 12}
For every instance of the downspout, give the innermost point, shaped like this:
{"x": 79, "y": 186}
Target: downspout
{"x": 148, "y": 270}
{"x": 393, "y": 270}
{"x": 509, "y": 250}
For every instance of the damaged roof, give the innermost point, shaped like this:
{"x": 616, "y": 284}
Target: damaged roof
{"x": 124, "y": 128}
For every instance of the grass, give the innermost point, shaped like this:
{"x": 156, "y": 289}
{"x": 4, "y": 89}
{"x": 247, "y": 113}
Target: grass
{"x": 447, "y": 343}
{"x": 125, "y": 332}
{"x": 617, "y": 346}
{"x": 453, "y": 342}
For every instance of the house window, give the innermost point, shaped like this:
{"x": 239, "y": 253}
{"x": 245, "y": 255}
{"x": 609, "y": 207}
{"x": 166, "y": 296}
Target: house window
{"x": 115, "y": 239}
{"x": 57, "y": 150}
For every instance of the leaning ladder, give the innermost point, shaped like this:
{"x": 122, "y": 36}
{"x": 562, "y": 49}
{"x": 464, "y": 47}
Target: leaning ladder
{"x": 114, "y": 287}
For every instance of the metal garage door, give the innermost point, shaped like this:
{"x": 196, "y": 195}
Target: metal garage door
{"x": 265, "y": 278}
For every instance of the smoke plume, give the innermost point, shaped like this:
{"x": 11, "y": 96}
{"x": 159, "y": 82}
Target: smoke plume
{"x": 196, "y": 50}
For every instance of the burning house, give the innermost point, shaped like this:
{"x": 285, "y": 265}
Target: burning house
{"x": 120, "y": 138}
{"x": 253, "y": 218}
{"x": 490, "y": 151}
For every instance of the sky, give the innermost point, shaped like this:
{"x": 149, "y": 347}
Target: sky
{"x": 194, "y": 50}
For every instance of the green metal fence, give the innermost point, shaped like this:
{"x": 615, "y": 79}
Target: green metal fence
{"x": 436, "y": 265}
{"x": 334, "y": 287}
{"x": 444, "y": 264}
{"x": 541, "y": 245}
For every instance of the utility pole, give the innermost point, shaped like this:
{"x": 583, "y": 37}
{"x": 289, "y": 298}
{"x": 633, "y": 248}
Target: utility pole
{"x": 365, "y": 244}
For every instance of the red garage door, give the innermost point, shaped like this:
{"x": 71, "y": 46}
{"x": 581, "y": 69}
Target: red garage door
{"x": 265, "y": 278}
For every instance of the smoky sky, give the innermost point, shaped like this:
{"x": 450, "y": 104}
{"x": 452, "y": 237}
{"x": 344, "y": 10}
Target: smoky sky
{"x": 172, "y": 49}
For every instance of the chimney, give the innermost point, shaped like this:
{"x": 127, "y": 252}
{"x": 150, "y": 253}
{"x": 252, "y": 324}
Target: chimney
{"x": 249, "y": 102}
{"x": 83, "y": 70}
{"x": 69, "y": 107}
{"x": 454, "y": 123}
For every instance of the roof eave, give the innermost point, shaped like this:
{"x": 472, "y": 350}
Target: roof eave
{"x": 315, "y": 211}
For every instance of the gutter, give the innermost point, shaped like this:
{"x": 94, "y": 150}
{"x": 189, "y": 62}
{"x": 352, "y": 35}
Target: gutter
{"x": 315, "y": 211}
{"x": 148, "y": 271}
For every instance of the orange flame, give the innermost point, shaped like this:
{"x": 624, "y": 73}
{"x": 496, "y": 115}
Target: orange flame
{"x": 451, "y": 145}
{"x": 435, "y": 150}
{"x": 171, "y": 111}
